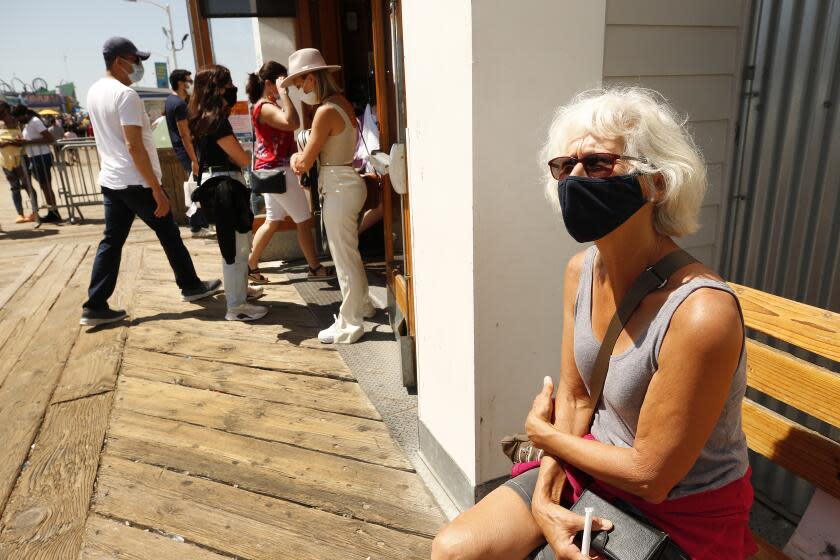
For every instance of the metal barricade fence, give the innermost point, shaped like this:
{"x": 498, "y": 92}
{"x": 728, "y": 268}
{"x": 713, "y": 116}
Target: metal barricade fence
{"x": 78, "y": 165}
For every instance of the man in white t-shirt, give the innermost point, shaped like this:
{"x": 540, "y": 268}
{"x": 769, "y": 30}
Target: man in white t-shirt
{"x": 37, "y": 144}
{"x": 130, "y": 180}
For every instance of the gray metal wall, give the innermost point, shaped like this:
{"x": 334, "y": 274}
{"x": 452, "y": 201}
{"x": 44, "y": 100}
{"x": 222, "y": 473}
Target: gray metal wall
{"x": 784, "y": 218}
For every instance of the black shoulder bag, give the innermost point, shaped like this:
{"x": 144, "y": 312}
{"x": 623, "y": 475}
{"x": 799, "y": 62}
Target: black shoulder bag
{"x": 633, "y": 537}
{"x": 265, "y": 181}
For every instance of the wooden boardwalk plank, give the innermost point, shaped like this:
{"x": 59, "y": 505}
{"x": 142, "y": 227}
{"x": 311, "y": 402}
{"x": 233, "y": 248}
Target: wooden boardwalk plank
{"x": 46, "y": 514}
{"x": 29, "y": 267}
{"x": 153, "y": 300}
{"x": 239, "y": 522}
{"x": 319, "y": 393}
{"x": 272, "y": 331}
{"x": 285, "y": 357}
{"x": 95, "y": 359}
{"x": 368, "y": 492}
{"x": 348, "y": 436}
{"x": 25, "y": 395}
{"x": 23, "y": 315}
{"x": 106, "y": 539}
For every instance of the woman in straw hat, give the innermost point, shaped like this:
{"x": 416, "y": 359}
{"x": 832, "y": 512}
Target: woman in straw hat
{"x": 332, "y": 142}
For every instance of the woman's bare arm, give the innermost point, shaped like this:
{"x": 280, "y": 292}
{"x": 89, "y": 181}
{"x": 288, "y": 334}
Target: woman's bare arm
{"x": 685, "y": 398}
{"x": 571, "y": 405}
{"x": 234, "y": 150}
{"x": 326, "y": 119}
{"x": 284, "y": 118}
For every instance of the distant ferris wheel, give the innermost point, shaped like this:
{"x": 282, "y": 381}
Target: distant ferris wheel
{"x": 39, "y": 84}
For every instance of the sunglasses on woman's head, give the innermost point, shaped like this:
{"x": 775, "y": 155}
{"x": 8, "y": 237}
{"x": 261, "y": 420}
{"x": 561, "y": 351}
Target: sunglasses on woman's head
{"x": 595, "y": 165}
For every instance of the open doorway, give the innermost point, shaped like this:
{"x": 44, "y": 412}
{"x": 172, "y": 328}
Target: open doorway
{"x": 342, "y": 30}
{"x": 365, "y": 37}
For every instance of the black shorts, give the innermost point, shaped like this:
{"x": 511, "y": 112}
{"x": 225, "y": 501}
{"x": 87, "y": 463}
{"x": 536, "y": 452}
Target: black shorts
{"x": 524, "y": 486}
{"x": 40, "y": 167}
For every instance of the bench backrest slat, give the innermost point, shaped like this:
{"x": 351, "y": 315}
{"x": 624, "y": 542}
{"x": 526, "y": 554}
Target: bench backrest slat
{"x": 804, "y": 386}
{"x": 811, "y": 328}
{"x": 800, "y": 450}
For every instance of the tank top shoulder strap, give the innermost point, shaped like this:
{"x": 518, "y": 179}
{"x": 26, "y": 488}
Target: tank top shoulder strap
{"x": 583, "y": 301}
{"x": 345, "y": 117}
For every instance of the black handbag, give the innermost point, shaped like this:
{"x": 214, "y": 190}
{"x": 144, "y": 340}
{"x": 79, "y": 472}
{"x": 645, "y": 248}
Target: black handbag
{"x": 264, "y": 181}
{"x": 268, "y": 181}
{"x": 633, "y": 537}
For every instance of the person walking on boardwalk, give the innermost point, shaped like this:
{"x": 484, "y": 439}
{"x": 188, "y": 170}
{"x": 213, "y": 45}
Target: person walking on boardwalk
{"x": 130, "y": 180}
{"x": 221, "y": 190}
{"x": 176, "y": 113}
{"x": 274, "y": 118}
{"x": 332, "y": 142}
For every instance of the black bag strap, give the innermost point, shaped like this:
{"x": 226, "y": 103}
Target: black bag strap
{"x": 652, "y": 278}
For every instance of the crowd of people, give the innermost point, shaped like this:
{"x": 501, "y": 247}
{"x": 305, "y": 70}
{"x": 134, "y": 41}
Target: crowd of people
{"x": 664, "y": 437}
{"x": 26, "y": 153}
{"x": 202, "y": 137}
{"x": 69, "y": 125}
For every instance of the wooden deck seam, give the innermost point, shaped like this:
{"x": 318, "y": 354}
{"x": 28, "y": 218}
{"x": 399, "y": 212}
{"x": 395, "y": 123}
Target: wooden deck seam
{"x": 282, "y": 370}
{"x": 156, "y": 531}
{"x": 79, "y": 398}
{"x": 345, "y": 514}
{"x": 280, "y": 403}
{"x": 348, "y": 457}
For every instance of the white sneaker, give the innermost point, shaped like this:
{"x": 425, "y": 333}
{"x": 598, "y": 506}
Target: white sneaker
{"x": 203, "y": 233}
{"x": 255, "y": 292}
{"x": 327, "y": 336}
{"x": 246, "y": 312}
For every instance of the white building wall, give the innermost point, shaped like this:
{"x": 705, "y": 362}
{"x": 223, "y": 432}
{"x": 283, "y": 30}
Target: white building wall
{"x": 690, "y": 52}
{"x": 439, "y": 96}
{"x": 274, "y": 39}
{"x": 521, "y": 74}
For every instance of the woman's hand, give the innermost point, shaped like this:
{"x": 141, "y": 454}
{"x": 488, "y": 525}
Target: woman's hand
{"x": 559, "y": 527}
{"x": 296, "y": 162}
{"x": 541, "y": 415}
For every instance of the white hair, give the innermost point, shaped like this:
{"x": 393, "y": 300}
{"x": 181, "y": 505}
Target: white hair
{"x": 651, "y": 130}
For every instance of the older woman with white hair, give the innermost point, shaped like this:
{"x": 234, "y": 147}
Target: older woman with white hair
{"x": 332, "y": 142}
{"x": 665, "y": 437}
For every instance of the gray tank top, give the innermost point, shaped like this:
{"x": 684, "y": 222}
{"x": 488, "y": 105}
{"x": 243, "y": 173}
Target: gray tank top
{"x": 724, "y": 457}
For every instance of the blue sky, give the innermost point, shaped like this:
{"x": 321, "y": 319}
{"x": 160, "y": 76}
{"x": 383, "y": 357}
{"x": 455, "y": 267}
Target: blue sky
{"x": 62, "y": 39}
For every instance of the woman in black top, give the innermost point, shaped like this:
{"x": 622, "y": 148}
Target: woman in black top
{"x": 221, "y": 155}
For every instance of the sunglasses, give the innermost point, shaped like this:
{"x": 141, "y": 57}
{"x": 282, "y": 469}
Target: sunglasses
{"x": 595, "y": 165}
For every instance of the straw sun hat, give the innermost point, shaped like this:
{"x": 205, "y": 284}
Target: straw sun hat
{"x": 305, "y": 61}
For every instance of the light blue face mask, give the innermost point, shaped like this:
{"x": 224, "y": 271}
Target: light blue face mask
{"x": 137, "y": 72}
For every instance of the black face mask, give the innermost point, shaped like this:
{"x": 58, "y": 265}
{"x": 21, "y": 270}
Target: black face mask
{"x": 594, "y": 207}
{"x": 230, "y": 96}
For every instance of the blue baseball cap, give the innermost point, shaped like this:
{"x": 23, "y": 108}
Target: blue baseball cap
{"x": 120, "y": 46}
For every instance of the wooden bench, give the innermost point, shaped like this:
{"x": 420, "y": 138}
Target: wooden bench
{"x": 796, "y": 382}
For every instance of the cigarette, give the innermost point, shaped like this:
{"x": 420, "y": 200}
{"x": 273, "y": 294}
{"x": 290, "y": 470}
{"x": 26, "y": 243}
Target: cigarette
{"x": 587, "y": 532}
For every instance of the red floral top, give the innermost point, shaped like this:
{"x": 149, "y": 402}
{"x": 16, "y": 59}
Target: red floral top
{"x": 273, "y": 147}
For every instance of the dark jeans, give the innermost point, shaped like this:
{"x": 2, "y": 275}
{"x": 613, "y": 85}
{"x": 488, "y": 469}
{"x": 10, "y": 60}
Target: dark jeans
{"x": 120, "y": 208}
{"x": 197, "y": 220}
{"x": 40, "y": 167}
{"x": 17, "y": 180}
